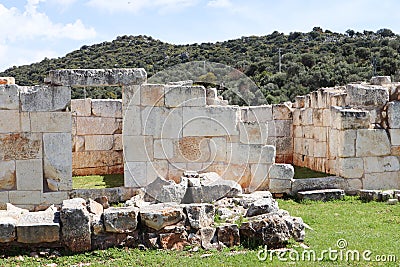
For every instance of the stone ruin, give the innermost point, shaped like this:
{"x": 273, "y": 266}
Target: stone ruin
{"x": 170, "y": 139}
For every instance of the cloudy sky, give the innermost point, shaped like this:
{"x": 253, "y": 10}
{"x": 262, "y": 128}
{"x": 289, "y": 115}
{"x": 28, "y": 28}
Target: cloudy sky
{"x": 31, "y": 30}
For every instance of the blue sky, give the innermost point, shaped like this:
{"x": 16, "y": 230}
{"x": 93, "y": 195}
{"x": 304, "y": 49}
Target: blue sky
{"x": 34, "y": 29}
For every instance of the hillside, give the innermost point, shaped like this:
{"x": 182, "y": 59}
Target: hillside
{"x": 309, "y": 60}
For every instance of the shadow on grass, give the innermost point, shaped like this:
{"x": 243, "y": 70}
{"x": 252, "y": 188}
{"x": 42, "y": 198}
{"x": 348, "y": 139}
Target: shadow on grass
{"x": 113, "y": 180}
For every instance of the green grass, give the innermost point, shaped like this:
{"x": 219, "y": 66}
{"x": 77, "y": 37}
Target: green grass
{"x": 365, "y": 226}
{"x": 303, "y": 172}
{"x": 97, "y": 181}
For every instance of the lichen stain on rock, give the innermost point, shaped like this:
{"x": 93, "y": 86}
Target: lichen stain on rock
{"x": 194, "y": 148}
{"x": 19, "y": 146}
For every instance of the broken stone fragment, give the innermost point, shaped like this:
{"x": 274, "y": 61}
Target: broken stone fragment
{"x": 7, "y": 228}
{"x": 200, "y": 215}
{"x": 121, "y": 220}
{"x": 173, "y": 192}
{"x": 174, "y": 241}
{"x": 262, "y": 206}
{"x": 228, "y": 234}
{"x": 157, "y": 216}
{"x": 153, "y": 189}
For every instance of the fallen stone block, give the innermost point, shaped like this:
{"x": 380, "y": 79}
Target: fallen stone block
{"x": 296, "y": 227}
{"x": 157, "y": 216}
{"x": 246, "y": 200}
{"x": 321, "y": 195}
{"x": 75, "y": 220}
{"x": 121, "y": 220}
{"x": 154, "y": 188}
{"x": 173, "y": 192}
{"x": 228, "y": 234}
{"x": 212, "y": 192}
{"x": 174, "y": 241}
{"x": 392, "y": 201}
{"x": 393, "y": 114}
{"x": 94, "y": 207}
{"x": 199, "y": 215}
{"x": 7, "y": 228}
{"x": 208, "y": 237}
{"x": 262, "y": 206}
{"x": 39, "y": 227}
{"x": 317, "y": 183}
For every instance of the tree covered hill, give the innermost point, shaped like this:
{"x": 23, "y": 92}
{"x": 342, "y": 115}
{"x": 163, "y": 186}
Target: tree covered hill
{"x": 308, "y": 60}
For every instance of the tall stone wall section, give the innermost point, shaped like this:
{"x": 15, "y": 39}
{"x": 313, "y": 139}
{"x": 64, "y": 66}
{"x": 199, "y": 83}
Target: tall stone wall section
{"x": 97, "y": 137}
{"x": 351, "y": 131}
{"x": 35, "y": 144}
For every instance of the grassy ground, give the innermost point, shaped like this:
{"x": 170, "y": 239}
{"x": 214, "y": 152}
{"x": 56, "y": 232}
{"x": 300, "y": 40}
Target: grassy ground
{"x": 97, "y": 181}
{"x": 365, "y": 226}
{"x": 303, "y": 172}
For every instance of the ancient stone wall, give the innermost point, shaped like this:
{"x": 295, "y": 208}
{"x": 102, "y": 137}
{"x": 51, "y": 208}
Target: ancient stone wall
{"x": 35, "y": 144}
{"x": 97, "y": 137}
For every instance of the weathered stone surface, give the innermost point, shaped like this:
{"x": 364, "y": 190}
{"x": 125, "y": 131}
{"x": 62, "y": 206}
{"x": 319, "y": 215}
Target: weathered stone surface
{"x": 174, "y": 241}
{"x": 158, "y": 216}
{"x": 138, "y": 148}
{"x": 29, "y": 174}
{"x": 321, "y": 195}
{"x": 75, "y": 220}
{"x": 281, "y": 112}
{"x": 317, "y": 183}
{"x": 39, "y": 227}
{"x": 351, "y": 167}
{"x": 173, "y": 192}
{"x": 51, "y": 122}
{"x": 113, "y": 195}
{"x": 369, "y": 195}
{"x": 253, "y": 133}
{"x": 228, "y": 234}
{"x": 81, "y": 107}
{"x": 380, "y": 80}
{"x": 208, "y": 237}
{"x": 392, "y": 201}
{"x": 18, "y": 146}
{"x": 7, "y": 175}
{"x": 393, "y": 114}
{"x": 94, "y": 207}
{"x": 256, "y": 113}
{"x": 349, "y": 118}
{"x": 99, "y": 142}
{"x": 7, "y": 228}
{"x": 361, "y": 95}
{"x": 372, "y": 142}
{"x": 189, "y": 96}
{"x": 107, "y": 108}
{"x": 96, "y": 125}
{"x": 9, "y": 97}
{"x": 121, "y": 220}
{"x": 213, "y": 191}
{"x": 381, "y": 164}
{"x": 281, "y": 171}
{"x": 296, "y": 227}
{"x": 262, "y": 206}
{"x": 96, "y": 77}
{"x": 154, "y": 188}
{"x": 381, "y": 180}
{"x": 57, "y": 160}
{"x": 199, "y": 215}
{"x": 44, "y": 98}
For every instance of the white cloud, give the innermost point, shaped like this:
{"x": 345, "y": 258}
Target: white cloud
{"x": 219, "y": 3}
{"x": 135, "y": 6}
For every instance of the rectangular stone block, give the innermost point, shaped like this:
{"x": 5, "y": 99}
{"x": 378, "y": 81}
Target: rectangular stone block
{"x": 280, "y": 186}
{"x": 185, "y": 96}
{"x": 163, "y": 149}
{"x": 381, "y": 164}
{"x": 320, "y": 149}
{"x": 343, "y": 119}
{"x": 25, "y": 121}
{"x": 351, "y": 167}
{"x": 372, "y": 142}
{"x": 362, "y": 95}
{"x": 152, "y": 95}
{"x": 96, "y": 125}
{"x": 81, "y": 107}
{"x": 326, "y": 118}
{"x": 284, "y": 145}
{"x": 393, "y": 114}
{"x": 253, "y": 132}
{"x": 9, "y": 121}
{"x": 298, "y": 131}
{"x": 4, "y": 199}
{"x": 346, "y": 146}
{"x": 281, "y": 112}
{"x": 298, "y": 145}
{"x": 7, "y": 229}
{"x": 320, "y": 134}
{"x": 297, "y": 119}
{"x": 25, "y": 197}
{"x": 57, "y": 161}
{"x": 44, "y": 98}
{"x": 9, "y": 97}
{"x": 79, "y": 143}
{"x": 132, "y": 122}
{"x": 241, "y": 154}
{"x": 94, "y": 159}
{"x": 307, "y": 116}
{"x": 218, "y": 149}
{"x": 381, "y": 181}
{"x": 51, "y": 122}
{"x": 333, "y": 143}
{"x": 117, "y": 142}
{"x": 257, "y": 113}
{"x": 156, "y": 168}
{"x": 107, "y": 108}
{"x": 138, "y": 148}
{"x": 318, "y": 117}
{"x": 29, "y": 175}
{"x": 280, "y": 128}
{"x": 38, "y": 227}
{"x": 259, "y": 177}
{"x": 18, "y": 146}
{"x": 161, "y": 122}
{"x": 308, "y": 132}
{"x": 394, "y": 137}
{"x": 191, "y": 149}
{"x": 99, "y": 142}
{"x": 53, "y": 198}
{"x": 7, "y": 175}
{"x": 308, "y": 147}
{"x": 135, "y": 174}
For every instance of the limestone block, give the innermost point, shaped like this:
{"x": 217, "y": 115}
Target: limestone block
{"x": 259, "y": 177}
{"x": 381, "y": 164}
{"x": 188, "y": 96}
{"x": 320, "y": 149}
{"x": 306, "y": 116}
{"x": 156, "y": 168}
{"x": 38, "y": 227}
{"x": 308, "y": 147}
{"x": 280, "y": 186}
{"x": 107, "y": 108}
{"x": 96, "y": 77}
{"x": 280, "y": 128}
{"x": 253, "y": 132}
{"x": 283, "y": 145}
{"x": 99, "y": 142}
{"x": 158, "y": 216}
{"x": 333, "y": 143}
{"x": 7, "y": 229}
{"x": 135, "y": 174}
{"x": 361, "y": 95}
{"x": 138, "y": 148}
{"x": 44, "y": 98}
{"x": 121, "y": 219}
{"x": 281, "y": 171}
{"x": 299, "y": 101}
{"x": 318, "y": 117}
{"x": 96, "y": 125}
{"x": 308, "y": 132}
{"x": 297, "y": 119}
{"x": 346, "y": 145}
{"x": 394, "y": 137}
{"x": 320, "y": 134}
{"x": 343, "y": 119}
{"x": 24, "y": 197}
{"x": 298, "y": 131}
{"x": 351, "y": 167}
{"x": 25, "y": 121}
{"x": 51, "y": 122}
{"x": 7, "y": 80}
{"x": 81, "y": 107}
{"x": 326, "y": 118}
{"x": 380, "y": 80}
{"x": 298, "y": 145}
{"x": 382, "y": 180}
{"x": 57, "y": 161}
{"x": 75, "y": 220}
{"x": 7, "y": 175}
{"x": 18, "y": 146}
{"x": 79, "y": 143}
{"x": 9, "y": 97}
{"x": 117, "y": 142}
{"x": 313, "y": 99}
{"x": 210, "y": 121}
{"x": 161, "y": 122}
{"x": 200, "y": 215}
{"x": 93, "y": 159}
{"x": 257, "y": 113}
{"x": 393, "y": 114}
{"x": 372, "y": 142}
{"x": 163, "y": 148}
{"x": 322, "y": 98}
{"x": 252, "y": 154}
{"x": 9, "y": 121}
{"x": 281, "y": 112}
{"x": 132, "y": 122}
{"x": 53, "y": 198}
{"x": 152, "y": 95}
{"x": 29, "y": 175}
{"x": 218, "y": 149}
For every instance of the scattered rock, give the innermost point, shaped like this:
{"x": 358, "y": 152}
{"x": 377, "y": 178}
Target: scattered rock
{"x": 157, "y": 216}
{"x": 321, "y": 195}
{"x": 173, "y": 192}
{"x": 153, "y": 189}
{"x": 228, "y": 234}
{"x": 103, "y": 200}
{"x": 121, "y": 220}
{"x": 262, "y": 206}
{"x": 392, "y": 201}
{"x": 208, "y": 237}
{"x": 174, "y": 241}
{"x": 94, "y": 207}
{"x": 200, "y": 215}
